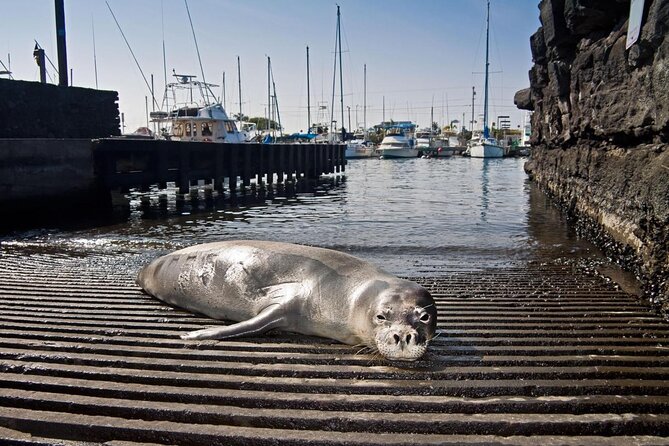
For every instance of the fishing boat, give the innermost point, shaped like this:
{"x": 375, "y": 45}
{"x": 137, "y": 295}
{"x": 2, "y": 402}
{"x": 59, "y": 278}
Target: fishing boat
{"x": 399, "y": 142}
{"x": 202, "y": 120}
{"x": 486, "y": 146}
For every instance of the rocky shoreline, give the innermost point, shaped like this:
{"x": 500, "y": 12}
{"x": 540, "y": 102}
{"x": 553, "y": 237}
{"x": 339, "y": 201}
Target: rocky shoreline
{"x": 600, "y": 128}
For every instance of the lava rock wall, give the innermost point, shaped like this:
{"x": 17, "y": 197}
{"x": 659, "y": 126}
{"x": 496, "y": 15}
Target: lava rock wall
{"x": 600, "y": 127}
{"x": 36, "y": 110}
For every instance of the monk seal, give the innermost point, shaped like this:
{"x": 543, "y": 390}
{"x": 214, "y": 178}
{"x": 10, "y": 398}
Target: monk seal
{"x": 313, "y": 291}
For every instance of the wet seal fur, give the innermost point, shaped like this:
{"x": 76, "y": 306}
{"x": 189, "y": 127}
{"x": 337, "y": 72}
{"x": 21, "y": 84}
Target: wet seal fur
{"x": 313, "y": 291}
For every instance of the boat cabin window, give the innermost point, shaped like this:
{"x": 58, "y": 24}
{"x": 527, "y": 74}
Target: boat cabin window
{"x": 206, "y": 129}
{"x": 230, "y": 127}
{"x": 178, "y": 129}
{"x": 191, "y": 129}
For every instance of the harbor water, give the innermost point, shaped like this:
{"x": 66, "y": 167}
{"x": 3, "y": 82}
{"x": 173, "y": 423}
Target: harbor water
{"x": 412, "y": 217}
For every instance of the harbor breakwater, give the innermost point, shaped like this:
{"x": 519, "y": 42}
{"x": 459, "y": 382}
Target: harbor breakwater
{"x": 600, "y": 128}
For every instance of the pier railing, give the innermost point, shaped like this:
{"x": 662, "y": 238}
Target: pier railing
{"x": 127, "y": 163}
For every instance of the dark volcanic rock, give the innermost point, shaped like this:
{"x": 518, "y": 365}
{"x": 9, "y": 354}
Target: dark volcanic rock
{"x": 601, "y": 126}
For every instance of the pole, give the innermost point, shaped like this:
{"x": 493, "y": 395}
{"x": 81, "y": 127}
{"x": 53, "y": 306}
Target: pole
{"x": 61, "y": 42}
{"x": 38, "y": 54}
{"x": 349, "y": 117}
{"x": 308, "y": 95}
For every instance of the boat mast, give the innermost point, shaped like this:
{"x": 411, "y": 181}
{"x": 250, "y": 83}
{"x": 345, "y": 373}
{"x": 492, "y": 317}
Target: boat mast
{"x": 485, "y": 93}
{"x": 239, "y": 77}
{"x": 269, "y": 93}
{"x": 308, "y": 95}
{"x": 341, "y": 78}
{"x": 364, "y": 100}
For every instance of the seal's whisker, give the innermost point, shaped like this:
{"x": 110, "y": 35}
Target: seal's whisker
{"x": 436, "y": 336}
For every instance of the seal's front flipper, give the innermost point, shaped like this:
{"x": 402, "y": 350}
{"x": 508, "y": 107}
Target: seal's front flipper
{"x": 271, "y": 317}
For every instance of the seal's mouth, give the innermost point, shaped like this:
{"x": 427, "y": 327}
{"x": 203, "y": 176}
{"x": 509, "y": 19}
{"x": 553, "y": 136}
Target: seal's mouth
{"x": 400, "y": 343}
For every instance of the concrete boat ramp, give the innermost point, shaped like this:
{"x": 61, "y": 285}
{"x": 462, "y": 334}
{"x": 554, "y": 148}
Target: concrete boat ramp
{"x": 539, "y": 354}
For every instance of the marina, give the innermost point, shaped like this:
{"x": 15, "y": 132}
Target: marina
{"x": 302, "y": 260}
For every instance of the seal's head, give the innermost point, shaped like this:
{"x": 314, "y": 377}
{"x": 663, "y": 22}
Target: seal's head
{"x": 405, "y": 320}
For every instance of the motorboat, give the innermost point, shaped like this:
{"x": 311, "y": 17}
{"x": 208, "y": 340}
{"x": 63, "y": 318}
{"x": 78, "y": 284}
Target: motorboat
{"x": 399, "y": 142}
{"x": 190, "y": 120}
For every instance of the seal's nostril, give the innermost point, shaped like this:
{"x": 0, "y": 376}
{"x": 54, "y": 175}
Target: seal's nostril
{"x": 397, "y": 338}
{"x": 408, "y": 338}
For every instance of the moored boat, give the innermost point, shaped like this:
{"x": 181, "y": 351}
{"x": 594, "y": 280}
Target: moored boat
{"x": 399, "y": 142}
{"x": 189, "y": 120}
{"x": 486, "y": 147}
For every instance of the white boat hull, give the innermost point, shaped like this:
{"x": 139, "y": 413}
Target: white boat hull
{"x": 359, "y": 152}
{"x": 486, "y": 150}
{"x": 398, "y": 153}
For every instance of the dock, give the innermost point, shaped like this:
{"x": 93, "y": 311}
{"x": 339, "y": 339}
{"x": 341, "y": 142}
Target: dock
{"x": 537, "y": 354}
{"x": 126, "y": 163}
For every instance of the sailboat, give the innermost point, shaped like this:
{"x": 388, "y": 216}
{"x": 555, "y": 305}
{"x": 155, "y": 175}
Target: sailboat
{"x": 486, "y": 146}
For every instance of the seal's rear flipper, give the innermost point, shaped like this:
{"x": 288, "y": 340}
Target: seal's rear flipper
{"x": 269, "y": 318}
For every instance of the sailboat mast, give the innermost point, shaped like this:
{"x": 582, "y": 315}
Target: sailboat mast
{"x": 269, "y": 93}
{"x": 364, "y": 99}
{"x": 485, "y": 97}
{"x": 341, "y": 79}
{"x": 308, "y": 95}
{"x": 239, "y": 78}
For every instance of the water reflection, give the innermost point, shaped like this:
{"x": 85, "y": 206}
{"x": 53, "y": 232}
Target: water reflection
{"x": 414, "y": 216}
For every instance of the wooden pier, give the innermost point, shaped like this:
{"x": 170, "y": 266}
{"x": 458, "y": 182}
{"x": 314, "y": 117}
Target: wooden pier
{"x": 542, "y": 354}
{"x": 127, "y": 163}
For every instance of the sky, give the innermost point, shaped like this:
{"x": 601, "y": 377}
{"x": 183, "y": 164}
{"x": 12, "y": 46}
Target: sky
{"x": 423, "y": 57}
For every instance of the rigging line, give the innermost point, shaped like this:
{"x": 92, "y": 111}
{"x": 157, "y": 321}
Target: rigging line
{"x": 276, "y": 103}
{"x": 197, "y": 49}
{"x": 131, "y": 52}
{"x": 162, "y": 28}
{"x": 95, "y": 58}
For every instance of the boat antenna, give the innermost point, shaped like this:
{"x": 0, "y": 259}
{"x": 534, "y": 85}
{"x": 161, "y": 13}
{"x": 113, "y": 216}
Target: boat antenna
{"x": 129, "y": 47}
{"x": 197, "y": 50}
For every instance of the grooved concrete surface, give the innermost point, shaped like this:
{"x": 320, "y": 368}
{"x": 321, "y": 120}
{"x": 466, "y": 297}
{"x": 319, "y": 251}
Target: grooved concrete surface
{"x": 542, "y": 354}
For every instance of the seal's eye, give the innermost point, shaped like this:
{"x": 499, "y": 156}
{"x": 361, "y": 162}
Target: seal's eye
{"x": 380, "y": 317}
{"x": 425, "y": 318}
